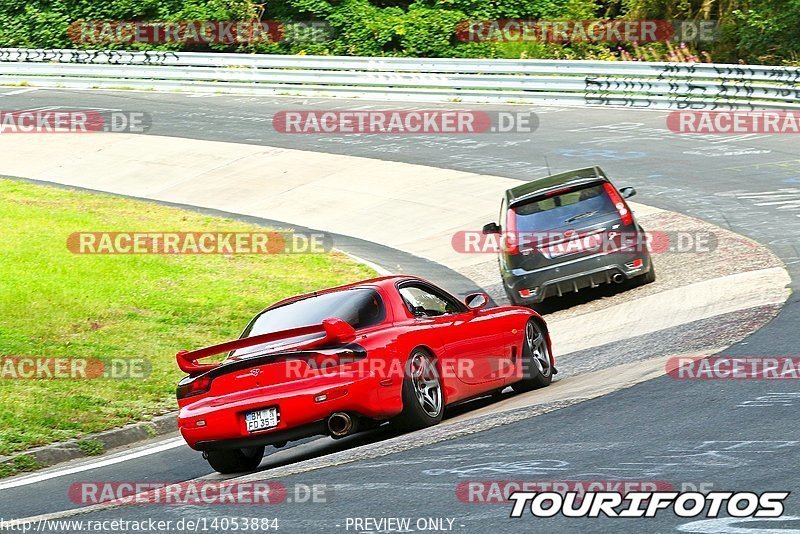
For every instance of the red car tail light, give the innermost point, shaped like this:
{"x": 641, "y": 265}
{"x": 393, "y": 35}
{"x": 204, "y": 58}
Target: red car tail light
{"x": 511, "y": 241}
{"x": 619, "y": 203}
{"x": 193, "y": 387}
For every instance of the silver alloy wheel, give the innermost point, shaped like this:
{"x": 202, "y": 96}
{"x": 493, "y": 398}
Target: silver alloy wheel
{"x": 425, "y": 380}
{"x": 537, "y": 345}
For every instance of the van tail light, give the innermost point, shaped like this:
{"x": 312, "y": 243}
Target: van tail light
{"x": 193, "y": 387}
{"x": 511, "y": 238}
{"x": 619, "y": 203}
{"x": 635, "y": 264}
{"x": 558, "y": 192}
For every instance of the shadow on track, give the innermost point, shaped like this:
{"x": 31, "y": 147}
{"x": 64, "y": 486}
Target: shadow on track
{"x": 316, "y": 447}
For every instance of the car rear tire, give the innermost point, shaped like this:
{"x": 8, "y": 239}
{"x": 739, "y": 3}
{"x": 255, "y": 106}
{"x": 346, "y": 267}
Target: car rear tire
{"x": 423, "y": 398}
{"x": 537, "y": 369}
{"x": 235, "y": 460}
{"x": 647, "y": 278}
{"x": 511, "y": 298}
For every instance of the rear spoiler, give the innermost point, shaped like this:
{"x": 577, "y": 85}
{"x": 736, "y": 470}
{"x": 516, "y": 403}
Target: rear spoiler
{"x": 579, "y": 182}
{"x": 335, "y": 330}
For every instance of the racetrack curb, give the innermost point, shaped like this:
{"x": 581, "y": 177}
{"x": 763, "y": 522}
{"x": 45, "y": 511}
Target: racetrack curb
{"x": 56, "y": 453}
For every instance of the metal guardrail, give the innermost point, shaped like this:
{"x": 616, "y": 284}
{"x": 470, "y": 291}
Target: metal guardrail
{"x": 594, "y": 83}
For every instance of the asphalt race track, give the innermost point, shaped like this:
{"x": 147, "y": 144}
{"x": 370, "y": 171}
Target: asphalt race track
{"x": 729, "y": 435}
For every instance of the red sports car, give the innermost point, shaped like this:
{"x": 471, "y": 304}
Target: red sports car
{"x": 333, "y": 362}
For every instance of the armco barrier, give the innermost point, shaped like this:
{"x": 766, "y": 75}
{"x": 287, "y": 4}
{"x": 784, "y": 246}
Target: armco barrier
{"x": 593, "y": 83}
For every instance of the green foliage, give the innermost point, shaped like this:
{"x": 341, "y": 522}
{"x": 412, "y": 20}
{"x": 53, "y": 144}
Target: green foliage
{"x": 18, "y": 464}
{"x": 769, "y": 33}
{"x": 365, "y": 29}
{"x": 91, "y": 447}
{"x": 751, "y": 32}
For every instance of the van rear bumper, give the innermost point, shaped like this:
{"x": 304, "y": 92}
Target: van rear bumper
{"x": 571, "y": 277}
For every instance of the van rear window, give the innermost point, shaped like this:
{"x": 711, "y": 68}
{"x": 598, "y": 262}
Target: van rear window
{"x": 546, "y": 213}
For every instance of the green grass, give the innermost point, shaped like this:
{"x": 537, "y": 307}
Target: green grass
{"x": 19, "y": 464}
{"x": 57, "y": 304}
{"x": 91, "y": 447}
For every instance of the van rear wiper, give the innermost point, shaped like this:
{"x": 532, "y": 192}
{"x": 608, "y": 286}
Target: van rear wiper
{"x": 581, "y": 216}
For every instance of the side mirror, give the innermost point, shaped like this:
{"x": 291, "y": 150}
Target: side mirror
{"x": 476, "y": 301}
{"x": 627, "y": 192}
{"x": 491, "y": 228}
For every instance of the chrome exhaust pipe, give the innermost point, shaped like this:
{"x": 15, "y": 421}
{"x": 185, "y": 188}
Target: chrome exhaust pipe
{"x": 340, "y": 425}
{"x": 618, "y": 278}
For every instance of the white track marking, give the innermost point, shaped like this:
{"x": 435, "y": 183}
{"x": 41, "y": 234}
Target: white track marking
{"x": 172, "y": 443}
{"x": 12, "y": 524}
{"x": 782, "y": 199}
{"x": 771, "y": 400}
{"x": 20, "y": 91}
{"x": 374, "y": 266}
{"x": 16, "y": 523}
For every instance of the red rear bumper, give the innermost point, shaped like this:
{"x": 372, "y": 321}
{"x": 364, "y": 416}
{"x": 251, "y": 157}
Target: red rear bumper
{"x": 218, "y": 421}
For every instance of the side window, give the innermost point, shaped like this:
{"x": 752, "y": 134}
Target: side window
{"x": 422, "y": 302}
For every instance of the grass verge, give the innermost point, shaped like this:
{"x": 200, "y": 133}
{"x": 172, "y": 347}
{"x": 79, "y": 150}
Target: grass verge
{"x": 57, "y": 304}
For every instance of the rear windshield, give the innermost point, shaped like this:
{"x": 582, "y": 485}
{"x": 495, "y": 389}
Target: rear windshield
{"x": 359, "y": 307}
{"x": 564, "y": 209}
